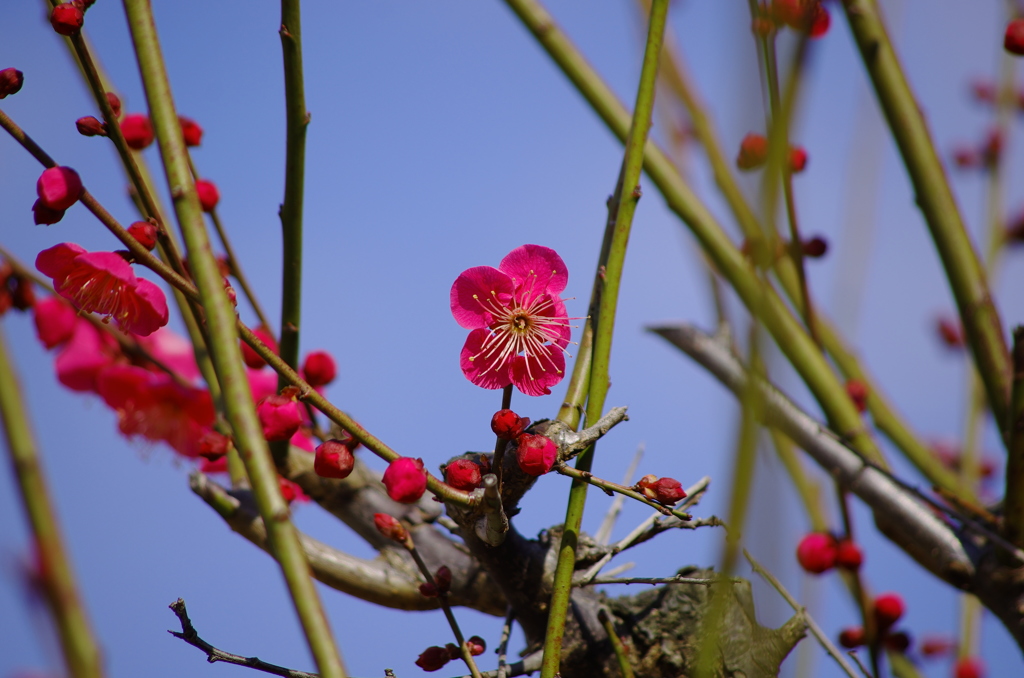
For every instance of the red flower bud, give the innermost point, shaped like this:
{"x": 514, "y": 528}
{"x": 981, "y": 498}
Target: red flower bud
{"x": 59, "y": 188}
{"x": 333, "y": 460}
{"x": 936, "y": 646}
{"x": 463, "y": 474}
{"x": 888, "y": 609}
{"x": 144, "y": 232}
{"x": 251, "y": 357}
{"x": 753, "y": 152}
{"x": 797, "y": 159}
{"x": 42, "y": 214}
{"x": 815, "y": 248}
{"x": 443, "y": 579}
{"x": 849, "y": 555}
{"x": 115, "y": 104}
{"x": 405, "y": 480}
{"x": 428, "y": 590}
{"x": 213, "y": 445}
{"x": 536, "y": 454}
{"x": 966, "y": 158}
{"x": 477, "y": 645}
{"x": 279, "y": 416}
{"x": 662, "y": 490}
{"x": 950, "y": 332}
{"x": 816, "y": 552}
{"x": 89, "y": 126}
{"x": 390, "y": 527}
{"x": 897, "y": 642}
{"x": 852, "y": 637}
{"x": 319, "y": 368}
{"x": 858, "y": 392}
{"x": 67, "y": 19}
{"x": 507, "y": 425}
{"x": 209, "y": 196}
{"x": 1013, "y": 41}
{"x": 290, "y": 491}
{"x": 433, "y": 658}
{"x": 23, "y": 296}
{"x": 11, "y": 80}
{"x": 983, "y": 91}
{"x": 969, "y": 667}
{"x": 54, "y": 320}
{"x": 192, "y": 132}
{"x": 137, "y": 131}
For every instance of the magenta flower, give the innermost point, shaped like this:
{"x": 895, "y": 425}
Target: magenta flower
{"x": 519, "y": 324}
{"x": 103, "y": 282}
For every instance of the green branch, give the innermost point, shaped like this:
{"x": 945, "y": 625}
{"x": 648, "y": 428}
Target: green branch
{"x": 225, "y": 352}
{"x": 77, "y": 642}
{"x": 610, "y": 277}
{"x": 982, "y": 325}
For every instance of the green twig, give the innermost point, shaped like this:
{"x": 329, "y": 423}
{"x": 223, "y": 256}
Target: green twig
{"x": 224, "y": 348}
{"x": 77, "y": 642}
{"x": 621, "y": 654}
{"x": 611, "y": 276}
{"x": 978, "y": 313}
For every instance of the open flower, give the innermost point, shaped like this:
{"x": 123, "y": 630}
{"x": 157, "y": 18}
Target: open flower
{"x": 519, "y": 324}
{"x": 103, "y": 282}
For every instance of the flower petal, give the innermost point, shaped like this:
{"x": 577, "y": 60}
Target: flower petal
{"x": 535, "y": 269}
{"x": 55, "y": 261}
{"x": 477, "y": 294}
{"x": 151, "y": 309}
{"x": 535, "y": 375}
{"x": 481, "y": 368}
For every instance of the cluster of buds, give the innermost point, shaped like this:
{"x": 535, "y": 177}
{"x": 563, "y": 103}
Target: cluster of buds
{"x": 819, "y": 552}
{"x": 754, "y": 154}
{"x": 983, "y": 155}
{"x": 434, "y": 658}
{"x": 58, "y": 189}
{"x": 809, "y": 16}
{"x": 665, "y": 491}
{"x": 535, "y": 453}
{"x": 440, "y": 586}
{"x": 887, "y": 609}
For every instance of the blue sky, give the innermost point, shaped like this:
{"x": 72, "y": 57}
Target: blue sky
{"x": 441, "y": 138}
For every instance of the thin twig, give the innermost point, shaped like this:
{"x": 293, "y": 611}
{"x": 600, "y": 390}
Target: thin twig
{"x": 604, "y": 532}
{"x": 653, "y": 580}
{"x": 189, "y": 634}
{"x": 506, "y": 633}
{"x": 799, "y": 609}
{"x": 621, "y": 653}
{"x": 610, "y": 487}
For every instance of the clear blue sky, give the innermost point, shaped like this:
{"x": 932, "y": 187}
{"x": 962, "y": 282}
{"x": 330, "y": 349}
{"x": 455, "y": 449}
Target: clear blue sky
{"x": 441, "y": 138}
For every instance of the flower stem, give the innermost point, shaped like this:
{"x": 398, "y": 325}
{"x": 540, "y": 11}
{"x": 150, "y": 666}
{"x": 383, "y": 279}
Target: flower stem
{"x": 978, "y": 313}
{"x": 608, "y": 487}
{"x": 501, "y": 443}
{"x": 628, "y": 195}
{"x": 224, "y": 348}
{"x": 77, "y": 642}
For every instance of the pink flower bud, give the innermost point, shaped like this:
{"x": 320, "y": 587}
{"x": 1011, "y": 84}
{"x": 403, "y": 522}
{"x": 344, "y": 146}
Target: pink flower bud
{"x": 279, "y": 416}
{"x": 209, "y": 196}
{"x": 42, "y": 214}
{"x": 508, "y": 425}
{"x": 848, "y": 555}
{"x": 54, "y": 320}
{"x": 89, "y": 126}
{"x": 888, "y": 609}
{"x": 59, "y": 188}
{"x": 405, "y": 480}
{"x": 1013, "y": 41}
{"x": 11, "y": 80}
{"x": 319, "y": 368}
{"x": 333, "y": 460}
{"x": 753, "y": 152}
{"x": 115, "y": 104}
{"x": 463, "y": 474}
{"x": 816, "y": 552}
{"x": 67, "y": 19}
{"x": 662, "y": 490}
{"x": 290, "y": 491}
{"x": 390, "y": 527}
{"x": 433, "y": 658}
{"x": 144, "y": 232}
{"x": 137, "y": 131}
{"x": 192, "y": 132}
{"x": 797, "y": 159}
{"x": 251, "y": 357}
{"x": 213, "y": 445}
{"x": 852, "y": 637}
{"x": 536, "y": 454}
{"x": 443, "y": 579}
{"x": 969, "y": 667}
{"x": 477, "y": 645}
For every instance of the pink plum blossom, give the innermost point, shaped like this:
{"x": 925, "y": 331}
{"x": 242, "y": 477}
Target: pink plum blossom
{"x": 86, "y": 354}
{"x": 55, "y": 321}
{"x": 519, "y": 324}
{"x": 103, "y": 282}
